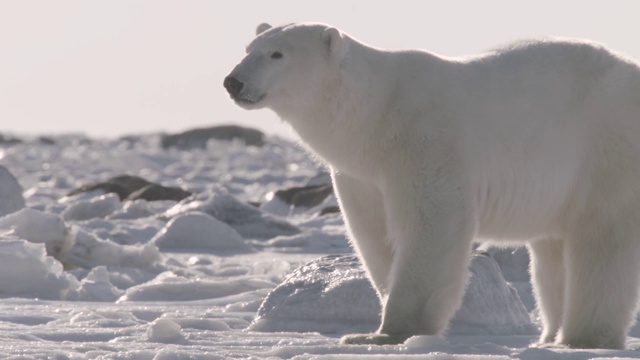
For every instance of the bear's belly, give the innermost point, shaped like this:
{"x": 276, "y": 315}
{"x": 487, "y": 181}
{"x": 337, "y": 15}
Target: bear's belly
{"x": 525, "y": 203}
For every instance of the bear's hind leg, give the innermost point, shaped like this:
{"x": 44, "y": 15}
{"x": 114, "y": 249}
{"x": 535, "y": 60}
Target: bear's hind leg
{"x": 547, "y": 277}
{"x": 602, "y": 283}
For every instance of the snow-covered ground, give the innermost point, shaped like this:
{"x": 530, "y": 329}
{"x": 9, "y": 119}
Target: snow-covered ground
{"x": 91, "y": 276}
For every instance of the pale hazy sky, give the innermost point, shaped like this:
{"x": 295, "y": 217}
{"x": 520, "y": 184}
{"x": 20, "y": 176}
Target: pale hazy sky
{"x": 109, "y": 68}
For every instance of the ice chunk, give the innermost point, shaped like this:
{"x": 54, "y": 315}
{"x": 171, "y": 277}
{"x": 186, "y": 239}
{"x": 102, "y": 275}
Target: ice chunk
{"x": 326, "y": 295}
{"x": 249, "y": 222}
{"x": 39, "y": 227}
{"x": 514, "y": 262}
{"x": 97, "y": 286}
{"x": 132, "y": 210}
{"x": 200, "y": 323}
{"x": 27, "y": 271}
{"x": 328, "y": 239}
{"x": 491, "y": 305}
{"x": 165, "y": 331}
{"x": 11, "y": 199}
{"x": 170, "y": 287}
{"x": 90, "y": 251}
{"x": 332, "y": 294}
{"x": 197, "y": 230}
{"x": 276, "y": 206}
{"x": 77, "y": 247}
{"x": 99, "y": 207}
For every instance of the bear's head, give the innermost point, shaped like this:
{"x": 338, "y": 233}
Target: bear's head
{"x": 286, "y": 66}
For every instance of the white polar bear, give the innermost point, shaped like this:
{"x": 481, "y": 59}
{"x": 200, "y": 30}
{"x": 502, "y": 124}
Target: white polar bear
{"x": 535, "y": 143}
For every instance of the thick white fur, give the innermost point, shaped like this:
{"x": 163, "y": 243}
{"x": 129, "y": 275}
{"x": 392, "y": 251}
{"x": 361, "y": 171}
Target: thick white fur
{"x": 536, "y": 143}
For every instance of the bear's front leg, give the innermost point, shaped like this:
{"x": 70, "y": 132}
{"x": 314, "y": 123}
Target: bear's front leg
{"x": 432, "y": 226}
{"x": 363, "y": 212}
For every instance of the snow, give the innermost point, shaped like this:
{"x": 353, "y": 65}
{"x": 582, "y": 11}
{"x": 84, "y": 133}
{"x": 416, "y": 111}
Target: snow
{"x": 230, "y": 272}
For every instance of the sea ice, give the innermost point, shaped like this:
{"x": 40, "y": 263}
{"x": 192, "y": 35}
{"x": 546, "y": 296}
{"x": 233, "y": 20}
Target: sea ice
{"x": 121, "y": 297}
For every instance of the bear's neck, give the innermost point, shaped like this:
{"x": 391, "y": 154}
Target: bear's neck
{"x": 345, "y": 118}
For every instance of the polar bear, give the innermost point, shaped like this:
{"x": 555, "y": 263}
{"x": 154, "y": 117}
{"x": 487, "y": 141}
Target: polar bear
{"x": 536, "y": 143}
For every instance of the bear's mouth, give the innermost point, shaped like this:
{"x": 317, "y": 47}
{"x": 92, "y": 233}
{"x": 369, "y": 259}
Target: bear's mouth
{"x": 248, "y": 101}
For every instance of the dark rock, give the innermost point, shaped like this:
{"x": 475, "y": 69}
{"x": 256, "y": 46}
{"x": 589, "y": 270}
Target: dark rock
{"x": 129, "y": 187}
{"x": 297, "y": 199}
{"x": 330, "y": 210}
{"x": 129, "y": 139}
{"x": 155, "y": 192}
{"x": 305, "y": 196}
{"x": 81, "y": 140}
{"x": 8, "y": 140}
{"x": 198, "y": 138}
{"x": 45, "y": 140}
{"x": 122, "y": 185}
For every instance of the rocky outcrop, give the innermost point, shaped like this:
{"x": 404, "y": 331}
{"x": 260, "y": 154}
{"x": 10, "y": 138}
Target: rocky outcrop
{"x": 129, "y": 187}
{"x": 198, "y": 138}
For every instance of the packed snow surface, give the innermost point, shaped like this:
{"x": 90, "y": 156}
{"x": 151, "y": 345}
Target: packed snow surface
{"x": 230, "y": 272}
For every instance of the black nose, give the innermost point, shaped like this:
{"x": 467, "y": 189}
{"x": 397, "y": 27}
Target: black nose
{"x": 233, "y": 85}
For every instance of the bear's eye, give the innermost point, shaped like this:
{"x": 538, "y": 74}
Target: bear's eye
{"x": 276, "y": 55}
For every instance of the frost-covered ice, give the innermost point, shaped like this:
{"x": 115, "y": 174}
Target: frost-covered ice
{"x": 89, "y": 276}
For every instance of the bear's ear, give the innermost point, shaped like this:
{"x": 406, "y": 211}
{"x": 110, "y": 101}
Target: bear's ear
{"x": 336, "y": 42}
{"x": 262, "y": 28}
